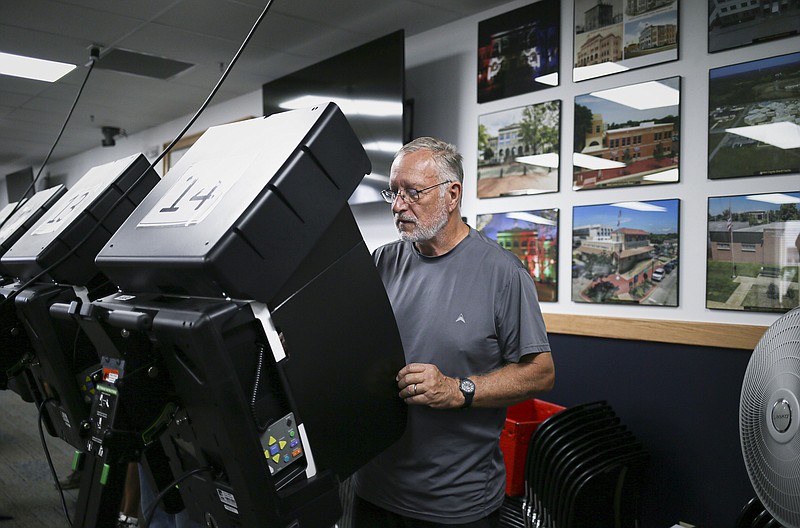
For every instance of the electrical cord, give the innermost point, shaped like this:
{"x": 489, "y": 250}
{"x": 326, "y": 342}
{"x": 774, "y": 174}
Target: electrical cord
{"x": 124, "y": 195}
{"x": 50, "y": 460}
{"x": 148, "y": 517}
{"x": 20, "y": 203}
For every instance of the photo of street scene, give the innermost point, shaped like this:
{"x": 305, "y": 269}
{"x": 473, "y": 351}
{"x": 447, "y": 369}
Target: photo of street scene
{"x": 518, "y": 150}
{"x": 518, "y": 51}
{"x": 626, "y": 253}
{"x": 754, "y": 118}
{"x": 734, "y": 23}
{"x": 613, "y": 36}
{"x": 627, "y": 136}
{"x": 753, "y": 245}
{"x": 533, "y": 237}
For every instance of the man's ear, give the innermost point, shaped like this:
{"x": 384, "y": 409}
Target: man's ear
{"x": 454, "y": 196}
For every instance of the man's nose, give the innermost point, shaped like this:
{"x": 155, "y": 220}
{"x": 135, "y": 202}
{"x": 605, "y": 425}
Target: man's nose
{"x": 399, "y": 204}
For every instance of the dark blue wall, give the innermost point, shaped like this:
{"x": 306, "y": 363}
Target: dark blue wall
{"x": 682, "y": 403}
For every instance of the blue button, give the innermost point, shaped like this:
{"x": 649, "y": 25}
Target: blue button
{"x": 294, "y": 442}
{"x": 286, "y": 458}
{"x": 273, "y": 449}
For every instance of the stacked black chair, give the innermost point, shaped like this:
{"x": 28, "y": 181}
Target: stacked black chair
{"x": 583, "y": 469}
{"x": 755, "y": 515}
{"x": 511, "y": 513}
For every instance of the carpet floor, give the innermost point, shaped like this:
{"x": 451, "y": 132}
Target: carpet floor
{"x": 28, "y": 498}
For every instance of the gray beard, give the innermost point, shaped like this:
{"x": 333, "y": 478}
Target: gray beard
{"x": 422, "y": 232}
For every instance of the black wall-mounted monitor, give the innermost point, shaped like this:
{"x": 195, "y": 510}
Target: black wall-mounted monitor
{"x": 19, "y": 184}
{"x": 368, "y": 84}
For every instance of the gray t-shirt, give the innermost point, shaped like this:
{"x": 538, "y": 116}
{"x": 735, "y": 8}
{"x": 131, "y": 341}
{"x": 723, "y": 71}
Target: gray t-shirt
{"x": 468, "y": 312}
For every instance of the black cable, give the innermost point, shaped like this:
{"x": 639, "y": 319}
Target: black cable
{"x": 53, "y": 147}
{"x": 124, "y": 195}
{"x": 148, "y": 517}
{"x": 50, "y": 460}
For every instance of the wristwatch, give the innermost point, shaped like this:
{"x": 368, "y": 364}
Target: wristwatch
{"x": 467, "y": 387}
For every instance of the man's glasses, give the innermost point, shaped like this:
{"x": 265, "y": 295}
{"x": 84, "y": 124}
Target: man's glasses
{"x": 408, "y": 195}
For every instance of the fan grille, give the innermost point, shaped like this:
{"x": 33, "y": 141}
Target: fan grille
{"x": 769, "y": 419}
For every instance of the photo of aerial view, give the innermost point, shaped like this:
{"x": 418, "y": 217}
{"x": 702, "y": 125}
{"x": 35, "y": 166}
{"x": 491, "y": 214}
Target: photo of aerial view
{"x": 613, "y": 36}
{"x": 627, "y": 136}
{"x": 754, "y": 118}
{"x": 518, "y": 150}
{"x": 753, "y": 245}
{"x": 626, "y": 253}
{"x": 533, "y": 237}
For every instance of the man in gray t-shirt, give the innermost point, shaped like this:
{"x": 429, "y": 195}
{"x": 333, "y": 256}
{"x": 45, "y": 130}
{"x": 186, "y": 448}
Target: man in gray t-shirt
{"x": 474, "y": 342}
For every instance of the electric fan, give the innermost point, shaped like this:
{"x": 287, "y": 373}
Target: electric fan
{"x": 769, "y": 419}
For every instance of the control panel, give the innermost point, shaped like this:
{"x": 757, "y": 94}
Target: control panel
{"x": 281, "y": 444}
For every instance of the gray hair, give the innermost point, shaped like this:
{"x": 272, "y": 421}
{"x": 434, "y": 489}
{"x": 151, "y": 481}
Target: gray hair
{"x": 445, "y": 156}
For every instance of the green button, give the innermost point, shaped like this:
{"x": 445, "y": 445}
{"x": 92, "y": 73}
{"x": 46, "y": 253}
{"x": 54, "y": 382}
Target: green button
{"x": 77, "y": 461}
{"x": 104, "y": 474}
{"x": 291, "y": 432}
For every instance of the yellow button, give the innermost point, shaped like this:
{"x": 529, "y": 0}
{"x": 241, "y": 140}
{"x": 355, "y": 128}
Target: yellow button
{"x": 276, "y": 458}
{"x": 266, "y": 453}
{"x": 272, "y": 440}
{"x": 282, "y": 444}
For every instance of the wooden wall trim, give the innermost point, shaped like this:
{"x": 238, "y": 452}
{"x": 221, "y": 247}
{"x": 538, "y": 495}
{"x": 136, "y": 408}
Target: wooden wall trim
{"x": 682, "y": 332}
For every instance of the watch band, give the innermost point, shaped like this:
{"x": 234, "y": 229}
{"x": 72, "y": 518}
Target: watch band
{"x": 467, "y": 387}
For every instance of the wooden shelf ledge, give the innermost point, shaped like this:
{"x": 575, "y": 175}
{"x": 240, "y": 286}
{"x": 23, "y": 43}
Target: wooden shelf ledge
{"x": 681, "y": 332}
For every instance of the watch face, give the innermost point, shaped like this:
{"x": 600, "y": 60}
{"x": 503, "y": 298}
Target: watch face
{"x": 467, "y": 385}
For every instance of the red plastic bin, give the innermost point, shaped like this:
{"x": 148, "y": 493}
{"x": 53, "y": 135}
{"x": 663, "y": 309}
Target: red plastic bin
{"x": 522, "y": 420}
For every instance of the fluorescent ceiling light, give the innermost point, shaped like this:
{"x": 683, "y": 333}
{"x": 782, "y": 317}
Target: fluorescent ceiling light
{"x": 774, "y": 198}
{"x": 596, "y": 70}
{"x": 784, "y": 135}
{"x": 643, "y": 96}
{"x": 532, "y": 218}
{"x": 540, "y": 160}
{"x": 640, "y": 206}
{"x": 594, "y": 162}
{"x": 551, "y": 79}
{"x": 383, "y": 146}
{"x": 669, "y": 175}
{"x": 30, "y": 68}
{"x": 366, "y": 107}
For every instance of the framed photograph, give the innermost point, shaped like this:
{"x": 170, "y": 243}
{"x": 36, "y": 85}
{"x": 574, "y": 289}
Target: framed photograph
{"x": 753, "y": 243}
{"x": 626, "y": 253}
{"x": 733, "y": 24}
{"x": 613, "y": 36}
{"x": 627, "y": 136}
{"x": 753, "y": 117}
{"x": 533, "y": 237}
{"x": 518, "y": 150}
{"x": 179, "y": 150}
{"x": 518, "y": 51}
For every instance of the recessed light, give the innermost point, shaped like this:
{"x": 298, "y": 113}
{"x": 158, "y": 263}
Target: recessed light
{"x": 774, "y": 198}
{"x": 784, "y": 134}
{"x": 30, "y": 68}
{"x": 640, "y": 206}
{"x": 643, "y": 96}
{"x": 594, "y": 162}
{"x": 549, "y": 160}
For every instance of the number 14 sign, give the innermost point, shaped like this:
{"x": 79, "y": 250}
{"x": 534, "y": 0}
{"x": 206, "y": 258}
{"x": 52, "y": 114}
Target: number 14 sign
{"x": 196, "y": 192}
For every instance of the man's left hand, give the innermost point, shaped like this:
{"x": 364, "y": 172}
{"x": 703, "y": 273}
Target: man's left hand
{"x": 424, "y": 384}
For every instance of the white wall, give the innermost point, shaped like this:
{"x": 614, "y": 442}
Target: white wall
{"x": 441, "y": 77}
{"x": 442, "y": 71}
{"x": 151, "y": 142}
